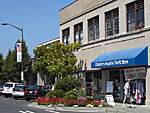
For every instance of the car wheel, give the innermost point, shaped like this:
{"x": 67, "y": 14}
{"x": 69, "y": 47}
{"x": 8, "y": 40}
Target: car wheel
{"x": 27, "y": 99}
{"x": 15, "y": 98}
{"x": 6, "y": 96}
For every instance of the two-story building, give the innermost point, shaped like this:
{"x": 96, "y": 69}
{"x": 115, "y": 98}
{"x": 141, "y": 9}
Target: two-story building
{"x": 115, "y": 41}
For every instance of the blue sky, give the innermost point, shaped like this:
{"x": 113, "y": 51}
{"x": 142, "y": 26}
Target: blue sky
{"x": 38, "y": 18}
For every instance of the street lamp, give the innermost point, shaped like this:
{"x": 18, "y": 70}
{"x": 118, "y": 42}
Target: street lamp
{"x": 20, "y": 29}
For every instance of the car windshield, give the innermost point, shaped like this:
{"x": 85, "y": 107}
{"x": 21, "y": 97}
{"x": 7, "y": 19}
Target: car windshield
{"x": 8, "y": 85}
{"x": 19, "y": 88}
{"x": 34, "y": 87}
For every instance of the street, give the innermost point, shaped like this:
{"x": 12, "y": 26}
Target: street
{"x": 10, "y": 105}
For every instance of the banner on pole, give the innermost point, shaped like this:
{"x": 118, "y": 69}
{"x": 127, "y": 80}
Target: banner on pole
{"x": 22, "y": 76}
{"x": 19, "y": 52}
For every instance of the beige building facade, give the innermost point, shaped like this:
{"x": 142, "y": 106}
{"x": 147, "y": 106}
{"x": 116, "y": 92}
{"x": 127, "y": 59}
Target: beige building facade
{"x": 104, "y": 26}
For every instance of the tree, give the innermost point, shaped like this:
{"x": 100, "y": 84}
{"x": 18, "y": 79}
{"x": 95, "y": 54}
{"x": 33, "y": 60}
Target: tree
{"x": 1, "y": 64}
{"x": 56, "y": 60}
{"x": 8, "y": 65}
{"x": 12, "y": 68}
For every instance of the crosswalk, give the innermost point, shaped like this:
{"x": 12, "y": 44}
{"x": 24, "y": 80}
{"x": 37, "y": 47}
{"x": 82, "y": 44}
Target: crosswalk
{"x": 27, "y": 111}
{"x": 52, "y": 111}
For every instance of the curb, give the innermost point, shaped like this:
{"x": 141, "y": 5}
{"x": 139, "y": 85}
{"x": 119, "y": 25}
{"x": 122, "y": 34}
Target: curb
{"x": 80, "y": 109}
{"x": 117, "y": 109}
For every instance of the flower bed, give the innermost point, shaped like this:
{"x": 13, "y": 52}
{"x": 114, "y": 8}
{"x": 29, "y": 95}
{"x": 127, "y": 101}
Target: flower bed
{"x": 81, "y": 102}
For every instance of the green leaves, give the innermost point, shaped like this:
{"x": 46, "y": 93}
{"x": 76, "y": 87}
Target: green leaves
{"x": 12, "y": 68}
{"x": 68, "y": 83}
{"x": 56, "y": 60}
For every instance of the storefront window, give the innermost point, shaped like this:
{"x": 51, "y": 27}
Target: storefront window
{"x": 89, "y": 84}
{"x": 93, "y": 83}
{"x": 115, "y": 77}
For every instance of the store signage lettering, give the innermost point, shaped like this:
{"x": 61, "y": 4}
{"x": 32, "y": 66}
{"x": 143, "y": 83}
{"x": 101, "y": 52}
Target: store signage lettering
{"x": 112, "y": 63}
{"x": 135, "y": 73}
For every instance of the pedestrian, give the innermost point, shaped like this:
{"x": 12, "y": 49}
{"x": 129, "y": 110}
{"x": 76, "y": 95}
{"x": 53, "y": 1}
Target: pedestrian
{"x": 127, "y": 94}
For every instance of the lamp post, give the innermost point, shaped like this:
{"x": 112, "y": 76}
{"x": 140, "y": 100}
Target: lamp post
{"x": 20, "y": 29}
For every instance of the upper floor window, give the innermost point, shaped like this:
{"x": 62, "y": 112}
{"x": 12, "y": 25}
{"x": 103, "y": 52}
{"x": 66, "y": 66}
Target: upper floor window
{"x": 112, "y": 22}
{"x": 135, "y": 15}
{"x": 66, "y": 36}
{"x": 93, "y": 28}
{"x": 78, "y": 33}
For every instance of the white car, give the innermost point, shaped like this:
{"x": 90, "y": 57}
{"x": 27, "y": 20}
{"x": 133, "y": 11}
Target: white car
{"x": 18, "y": 91}
{"x": 8, "y": 88}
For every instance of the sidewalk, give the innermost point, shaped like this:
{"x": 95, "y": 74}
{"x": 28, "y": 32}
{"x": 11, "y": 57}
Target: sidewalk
{"x": 116, "y": 109}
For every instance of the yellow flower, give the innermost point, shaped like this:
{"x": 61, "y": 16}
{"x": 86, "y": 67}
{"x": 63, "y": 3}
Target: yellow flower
{"x": 82, "y": 88}
{"x": 75, "y": 90}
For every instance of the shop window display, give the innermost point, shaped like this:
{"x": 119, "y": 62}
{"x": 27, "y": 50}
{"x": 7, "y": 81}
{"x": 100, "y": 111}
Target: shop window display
{"x": 137, "y": 90}
{"x": 115, "y": 77}
{"x": 137, "y": 86}
{"x": 89, "y": 84}
{"x": 94, "y": 84}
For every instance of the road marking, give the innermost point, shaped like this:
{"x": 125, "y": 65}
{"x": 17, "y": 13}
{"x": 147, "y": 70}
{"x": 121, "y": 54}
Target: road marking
{"x": 26, "y": 111}
{"x": 22, "y": 112}
{"x": 29, "y": 111}
{"x": 52, "y": 111}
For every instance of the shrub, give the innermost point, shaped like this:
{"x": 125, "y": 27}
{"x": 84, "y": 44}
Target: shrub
{"x": 68, "y": 83}
{"x": 58, "y": 93}
{"x": 89, "y": 98}
{"x": 71, "y": 92}
{"x": 49, "y": 95}
{"x": 70, "y": 97}
{"x": 81, "y": 93}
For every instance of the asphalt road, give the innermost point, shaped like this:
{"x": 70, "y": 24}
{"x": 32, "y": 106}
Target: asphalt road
{"x": 10, "y": 105}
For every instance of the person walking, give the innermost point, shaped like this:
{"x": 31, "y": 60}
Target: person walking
{"x": 127, "y": 94}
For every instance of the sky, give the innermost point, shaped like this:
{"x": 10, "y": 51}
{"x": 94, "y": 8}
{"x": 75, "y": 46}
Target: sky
{"x": 38, "y": 18}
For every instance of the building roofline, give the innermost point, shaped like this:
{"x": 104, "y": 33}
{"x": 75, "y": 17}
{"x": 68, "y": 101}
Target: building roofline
{"x": 68, "y": 5}
{"x": 83, "y": 13}
{"x": 47, "y": 41}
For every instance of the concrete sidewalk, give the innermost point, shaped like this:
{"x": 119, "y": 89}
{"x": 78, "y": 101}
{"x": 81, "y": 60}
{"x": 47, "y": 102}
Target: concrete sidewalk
{"x": 116, "y": 109}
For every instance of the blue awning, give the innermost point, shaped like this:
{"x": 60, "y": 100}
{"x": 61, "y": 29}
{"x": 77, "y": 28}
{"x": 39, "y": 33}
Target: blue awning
{"x": 128, "y": 57}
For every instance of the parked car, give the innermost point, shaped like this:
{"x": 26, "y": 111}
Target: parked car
{"x": 8, "y": 88}
{"x": 1, "y": 89}
{"x": 35, "y": 91}
{"x": 18, "y": 91}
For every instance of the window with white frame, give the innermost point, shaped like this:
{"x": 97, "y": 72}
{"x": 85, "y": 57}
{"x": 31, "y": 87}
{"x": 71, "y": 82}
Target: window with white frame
{"x": 78, "y": 33}
{"x": 93, "y": 28}
{"x": 66, "y": 36}
{"x": 112, "y": 22}
{"x": 135, "y": 15}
